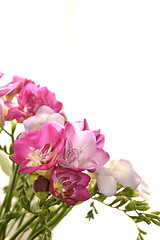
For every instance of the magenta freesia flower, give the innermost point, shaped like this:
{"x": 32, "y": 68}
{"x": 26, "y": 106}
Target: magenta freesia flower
{"x": 30, "y": 99}
{"x": 38, "y": 150}
{"x": 81, "y": 151}
{"x": 68, "y": 185}
{"x": 116, "y": 171}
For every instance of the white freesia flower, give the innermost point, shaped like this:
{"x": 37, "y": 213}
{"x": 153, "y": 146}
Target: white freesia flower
{"x": 116, "y": 171}
{"x": 43, "y": 115}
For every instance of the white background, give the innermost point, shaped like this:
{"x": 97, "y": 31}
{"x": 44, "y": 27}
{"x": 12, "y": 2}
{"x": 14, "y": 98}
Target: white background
{"x": 102, "y": 59}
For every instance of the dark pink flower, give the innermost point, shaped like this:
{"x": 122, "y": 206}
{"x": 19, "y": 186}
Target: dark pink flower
{"x": 81, "y": 151}
{"x": 38, "y": 150}
{"x": 30, "y": 99}
{"x": 69, "y": 186}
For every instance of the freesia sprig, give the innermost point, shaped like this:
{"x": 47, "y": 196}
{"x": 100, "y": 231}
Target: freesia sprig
{"x": 54, "y": 164}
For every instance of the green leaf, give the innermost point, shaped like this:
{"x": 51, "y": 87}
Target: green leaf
{"x": 141, "y": 231}
{"x": 153, "y": 216}
{"x": 156, "y": 212}
{"x": 131, "y": 205}
{"x": 122, "y": 202}
{"x": 92, "y": 205}
{"x": 155, "y": 222}
{"x": 128, "y": 192}
{"x": 100, "y": 198}
{"x": 90, "y": 215}
{"x": 144, "y": 218}
{"x": 143, "y": 207}
{"x": 118, "y": 199}
{"x": 25, "y": 203}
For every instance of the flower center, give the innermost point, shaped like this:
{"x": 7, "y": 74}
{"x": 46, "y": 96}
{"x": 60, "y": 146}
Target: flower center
{"x": 41, "y": 156}
{"x": 62, "y": 188}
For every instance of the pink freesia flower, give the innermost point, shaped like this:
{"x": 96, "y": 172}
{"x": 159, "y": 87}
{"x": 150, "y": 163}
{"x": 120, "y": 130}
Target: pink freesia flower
{"x": 2, "y": 110}
{"x": 14, "y": 86}
{"x": 43, "y": 115}
{"x": 30, "y": 99}
{"x": 116, "y": 171}
{"x": 38, "y": 150}
{"x": 83, "y": 125}
{"x": 69, "y": 186}
{"x": 80, "y": 151}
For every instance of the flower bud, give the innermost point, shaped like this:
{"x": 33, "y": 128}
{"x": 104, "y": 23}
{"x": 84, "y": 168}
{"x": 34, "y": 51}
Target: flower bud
{"x": 41, "y": 187}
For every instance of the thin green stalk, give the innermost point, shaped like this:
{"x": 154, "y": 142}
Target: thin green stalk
{"x": 21, "y": 229}
{"x": 53, "y": 222}
{"x": 8, "y": 199}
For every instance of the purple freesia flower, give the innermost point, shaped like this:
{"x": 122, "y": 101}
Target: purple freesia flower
{"x": 68, "y": 185}
{"x": 38, "y": 150}
{"x": 81, "y": 151}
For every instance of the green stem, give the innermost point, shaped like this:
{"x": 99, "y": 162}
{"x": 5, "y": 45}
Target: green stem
{"x": 8, "y": 199}
{"x": 23, "y": 227}
{"x": 53, "y": 222}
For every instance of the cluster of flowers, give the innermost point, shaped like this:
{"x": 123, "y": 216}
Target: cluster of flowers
{"x": 63, "y": 153}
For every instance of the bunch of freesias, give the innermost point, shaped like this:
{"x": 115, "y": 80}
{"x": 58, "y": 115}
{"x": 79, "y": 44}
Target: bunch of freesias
{"x": 58, "y": 164}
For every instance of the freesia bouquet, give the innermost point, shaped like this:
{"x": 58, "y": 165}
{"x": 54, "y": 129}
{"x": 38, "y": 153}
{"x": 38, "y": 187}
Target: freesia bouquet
{"x": 56, "y": 165}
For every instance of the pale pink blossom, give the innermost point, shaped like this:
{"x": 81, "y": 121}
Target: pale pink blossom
{"x": 81, "y": 151}
{"x": 38, "y": 150}
{"x": 43, "y": 115}
{"x": 68, "y": 185}
{"x": 116, "y": 171}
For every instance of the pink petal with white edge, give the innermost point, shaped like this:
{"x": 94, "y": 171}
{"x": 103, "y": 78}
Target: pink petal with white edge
{"x": 85, "y": 142}
{"x": 107, "y": 185}
{"x": 122, "y": 170}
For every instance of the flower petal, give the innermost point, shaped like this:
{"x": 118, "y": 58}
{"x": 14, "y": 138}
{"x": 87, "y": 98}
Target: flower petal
{"x": 123, "y": 172}
{"x": 85, "y": 142}
{"x": 100, "y": 157}
{"x": 33, "y": 123}
{"x": 56, "y": 117}
{"x": 107, "y": 185}
{"x": 143, "y": 190}
{"x": 2, "y": 110}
